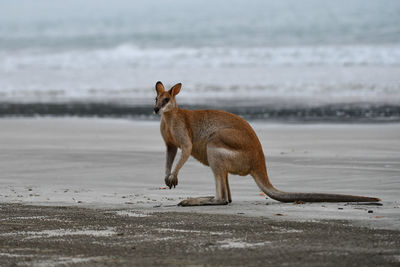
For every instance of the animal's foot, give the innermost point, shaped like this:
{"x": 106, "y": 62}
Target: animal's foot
{"x": 202, "y": 201}
{"x": 171, "y": 180}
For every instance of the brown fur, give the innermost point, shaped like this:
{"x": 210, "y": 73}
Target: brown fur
{"x": 227, "y": 144}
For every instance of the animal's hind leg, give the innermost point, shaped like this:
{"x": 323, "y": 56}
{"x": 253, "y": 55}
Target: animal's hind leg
{"x": 221, "y": 181}
{"x": 219, "y": 159}
{"x": 228, "y": 189}
{"x": 222, "y": 193}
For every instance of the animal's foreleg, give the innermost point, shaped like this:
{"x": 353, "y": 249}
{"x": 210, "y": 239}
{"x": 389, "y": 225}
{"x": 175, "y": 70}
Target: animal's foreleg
{"x": 172, "y": 179}
{"x": 171, "y": 153}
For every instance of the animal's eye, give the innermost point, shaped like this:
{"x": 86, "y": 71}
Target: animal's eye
{"x": 166, "y": 100}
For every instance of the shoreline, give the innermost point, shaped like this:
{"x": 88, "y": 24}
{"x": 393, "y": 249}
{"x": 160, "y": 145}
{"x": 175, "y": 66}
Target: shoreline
{"x": 263, "y": 110}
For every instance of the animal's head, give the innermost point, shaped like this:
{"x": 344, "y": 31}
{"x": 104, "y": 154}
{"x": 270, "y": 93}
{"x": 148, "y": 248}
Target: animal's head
{"x": 165, "y": 100}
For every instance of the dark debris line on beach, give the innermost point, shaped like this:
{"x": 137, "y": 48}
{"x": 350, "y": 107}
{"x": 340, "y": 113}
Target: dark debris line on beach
{"x": 356, "y": 112}
{"x": 34, "y": 235}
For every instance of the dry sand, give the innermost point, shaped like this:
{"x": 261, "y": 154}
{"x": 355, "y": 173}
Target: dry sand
{"x": 118, "y": 165}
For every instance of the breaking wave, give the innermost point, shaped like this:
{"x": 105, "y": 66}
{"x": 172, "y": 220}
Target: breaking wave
{"x": 131, "y": 57}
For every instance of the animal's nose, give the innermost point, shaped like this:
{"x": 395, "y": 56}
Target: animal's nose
{"x": 156, "y": 109}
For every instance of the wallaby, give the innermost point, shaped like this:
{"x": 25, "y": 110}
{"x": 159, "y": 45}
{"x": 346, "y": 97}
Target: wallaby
{"x": 227, "y": 144}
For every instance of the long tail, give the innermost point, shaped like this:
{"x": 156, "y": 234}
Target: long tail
{"x": 265, "y": 185}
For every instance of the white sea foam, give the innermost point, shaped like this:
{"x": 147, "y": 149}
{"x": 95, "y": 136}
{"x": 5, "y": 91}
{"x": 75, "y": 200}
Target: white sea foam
{"x": 126, "y": 72}
{"x": 132, "y": 57}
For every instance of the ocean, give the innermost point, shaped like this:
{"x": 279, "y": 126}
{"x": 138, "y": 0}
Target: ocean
{"x": 288, "y": 60}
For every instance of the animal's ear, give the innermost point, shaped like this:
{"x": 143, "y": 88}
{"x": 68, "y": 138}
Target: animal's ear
{"x": 175, "y": 89}
{"x": 159, "y": 87}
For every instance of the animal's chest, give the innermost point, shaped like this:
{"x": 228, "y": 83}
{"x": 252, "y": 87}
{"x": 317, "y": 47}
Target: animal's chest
{"x": 168, "y": 136}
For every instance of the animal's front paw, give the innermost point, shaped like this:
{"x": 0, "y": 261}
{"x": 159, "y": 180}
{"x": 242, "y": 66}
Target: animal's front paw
{"x": 171, "y": 180}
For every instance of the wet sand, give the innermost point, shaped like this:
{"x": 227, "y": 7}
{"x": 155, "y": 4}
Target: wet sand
{"x": 107, "y": 166}
{"x": 48, "y": 236}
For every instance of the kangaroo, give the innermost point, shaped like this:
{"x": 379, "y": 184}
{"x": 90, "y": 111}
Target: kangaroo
{"x": 227, "y": 144}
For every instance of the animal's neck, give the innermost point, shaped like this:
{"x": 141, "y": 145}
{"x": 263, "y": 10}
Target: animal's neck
{"x": 170, "y": 115}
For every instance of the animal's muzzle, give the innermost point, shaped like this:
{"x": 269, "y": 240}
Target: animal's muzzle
{"x": 156, "y": 110}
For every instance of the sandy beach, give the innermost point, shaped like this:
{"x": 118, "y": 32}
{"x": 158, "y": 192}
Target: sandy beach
{"x": 117, "y": 166}
{"x": 82, "y": 158}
